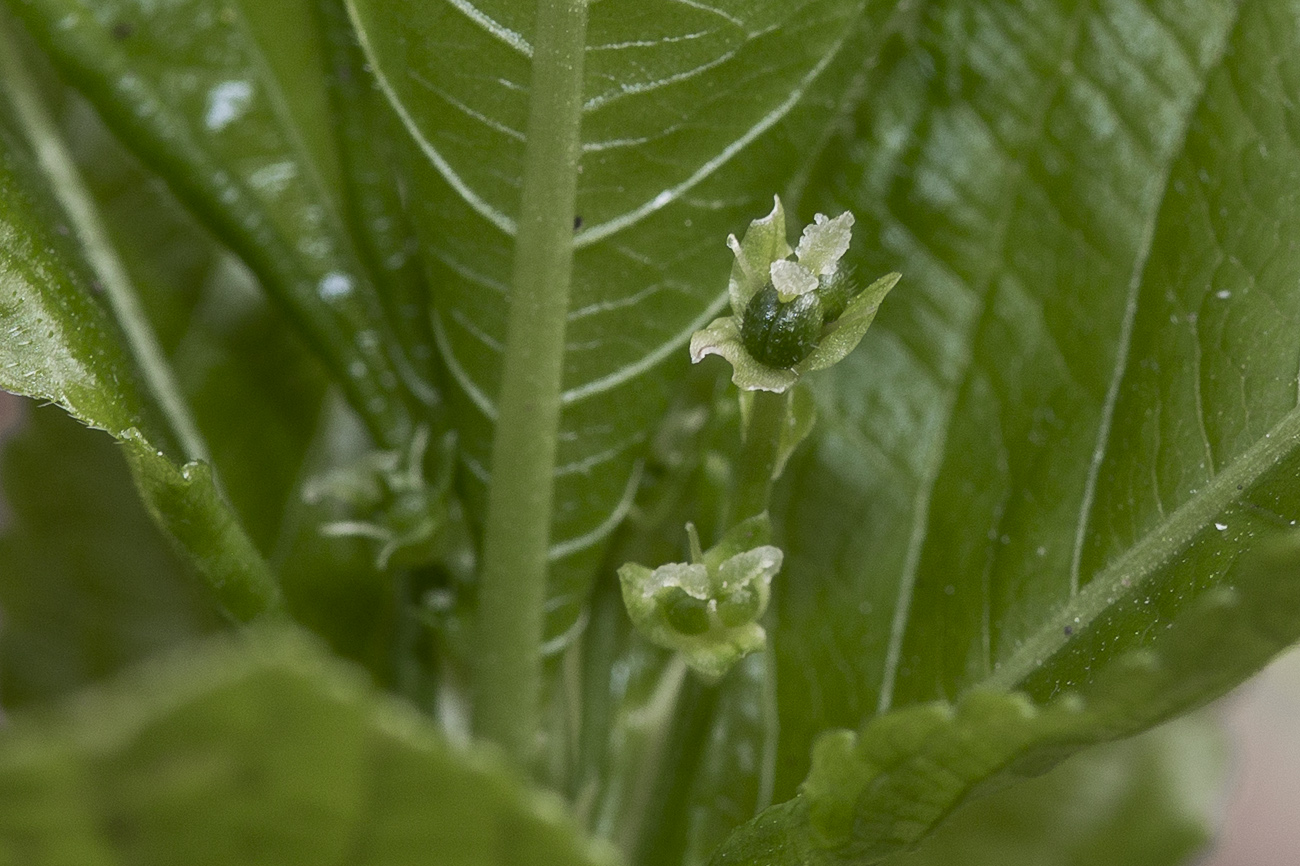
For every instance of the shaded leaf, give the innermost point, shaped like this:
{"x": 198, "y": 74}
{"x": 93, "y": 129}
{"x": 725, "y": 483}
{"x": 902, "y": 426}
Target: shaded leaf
{"x": 370, "y": 151}
{"x": 87, "y": 583}
{"x": 217, "y": 101}
{"x": 216, "y": 758}
{"x": 64, "y": 348}
{"x": 1150, "y": 801}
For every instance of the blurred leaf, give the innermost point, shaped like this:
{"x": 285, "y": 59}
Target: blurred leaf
{"x": 1150, "y": 801}
{"x": 368, "y": 138}
{"x": 63, "y": 347}
{"x": 694, "y": 115}
{"x": 87, "y": 584}
{"x": 235, "y": 117}
{"x": 216, "y": 758}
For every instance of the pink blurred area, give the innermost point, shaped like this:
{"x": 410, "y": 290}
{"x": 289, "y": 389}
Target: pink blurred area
{"x": 1262, "y": 819}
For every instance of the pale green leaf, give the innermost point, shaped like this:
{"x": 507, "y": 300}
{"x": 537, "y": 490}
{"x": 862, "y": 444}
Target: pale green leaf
{"x": 262, "y": 749}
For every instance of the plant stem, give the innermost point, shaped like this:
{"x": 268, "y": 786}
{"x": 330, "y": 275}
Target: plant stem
{"x": 767, "y": 418}
{"x": 517, "y": 533}
{"x": 70, "y": 190}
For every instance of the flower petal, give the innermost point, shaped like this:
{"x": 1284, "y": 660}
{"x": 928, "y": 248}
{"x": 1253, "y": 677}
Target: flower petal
{"x": 791, "y": 280}
{"x": 850, "y": 327}
{"x": 764, "y": 242}
{"x": 824, "y": 242}
{"x": 722, "y": 338}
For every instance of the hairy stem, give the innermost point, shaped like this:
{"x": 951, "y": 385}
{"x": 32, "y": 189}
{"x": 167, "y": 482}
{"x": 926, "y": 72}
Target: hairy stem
{"x": 767, "y": 418}
{"x": 70, "y": 190}
{"x": 517, "y": 533}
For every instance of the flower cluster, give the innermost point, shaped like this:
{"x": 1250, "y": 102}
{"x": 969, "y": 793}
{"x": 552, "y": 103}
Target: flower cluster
{"x": 707, "y": 608}
{"x": 790, "y": 317}
{"x": 392, "y": 500}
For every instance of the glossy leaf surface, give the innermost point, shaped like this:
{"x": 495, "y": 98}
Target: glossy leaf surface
{"x": 217, "y": 758}
{"x": 1079, "y": 408}
{"x": 234, "y": 115}
{"x": 693, "y": 115}
{"x": 63, "y": 347}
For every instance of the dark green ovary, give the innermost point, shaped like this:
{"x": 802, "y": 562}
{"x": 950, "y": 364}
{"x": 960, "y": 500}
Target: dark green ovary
{"x": 781, "y": 333}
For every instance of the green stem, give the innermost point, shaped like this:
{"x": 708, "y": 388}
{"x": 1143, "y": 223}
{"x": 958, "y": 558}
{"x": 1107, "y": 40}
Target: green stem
{"x": 767, "y": 418}
{"x": 70, "y": 190}
{"x": 517, "y": 532}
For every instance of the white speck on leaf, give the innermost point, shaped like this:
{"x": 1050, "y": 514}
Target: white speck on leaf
{"x": 335, "y": 284}
{"x": 227, "y": 101}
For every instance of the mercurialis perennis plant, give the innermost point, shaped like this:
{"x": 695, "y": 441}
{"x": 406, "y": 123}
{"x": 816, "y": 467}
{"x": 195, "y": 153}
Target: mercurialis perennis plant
{"x": 498, "y": 432}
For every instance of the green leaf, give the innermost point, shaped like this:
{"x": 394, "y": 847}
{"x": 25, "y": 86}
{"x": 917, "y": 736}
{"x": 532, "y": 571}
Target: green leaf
{"x": 64, "y": 348}
{"x": 87, "y": 582}
{"x": 253, "y": 388}
{"x": 59, "y": 345}
{"x": 1080, "y": 407}
{"x": 881, "y": 790}
{"x": 216, "y": 758}
{"x": 244, "y": 136}
{"x": 694, "y": 115}
{"x": 1150, "y": 801}
{"x": 371, "y": 154}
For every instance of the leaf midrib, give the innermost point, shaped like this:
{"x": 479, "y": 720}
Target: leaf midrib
{"x": 1135, "y": 569}
{"x": 1117, "y": 581}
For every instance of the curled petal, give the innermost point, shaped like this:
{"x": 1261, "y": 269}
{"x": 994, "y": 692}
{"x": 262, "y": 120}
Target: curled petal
{"x": 723, "y": 338}
{"x": 764, "y": 242}
{"x": 792, "y": 280}
{"x": 825, "y": 242}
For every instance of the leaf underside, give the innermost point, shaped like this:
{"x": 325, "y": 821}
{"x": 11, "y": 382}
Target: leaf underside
{"x": 1029, "y": 514}
{"x": 694, "y": 113}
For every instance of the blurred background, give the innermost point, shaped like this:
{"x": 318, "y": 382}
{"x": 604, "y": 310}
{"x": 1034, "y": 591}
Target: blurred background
{"x": 1261, "y": 824}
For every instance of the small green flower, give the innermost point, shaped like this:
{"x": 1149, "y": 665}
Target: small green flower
{"x": 790, "y": 317}
{"x": 707, "y": 609}
{"x": 391, "y": 501}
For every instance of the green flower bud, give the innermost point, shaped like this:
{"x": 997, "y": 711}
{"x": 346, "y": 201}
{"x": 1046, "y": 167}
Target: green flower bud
{"x": 780, "y": 333}
{"x": 789, "y": 317}
{"x": 707, "y": 609}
